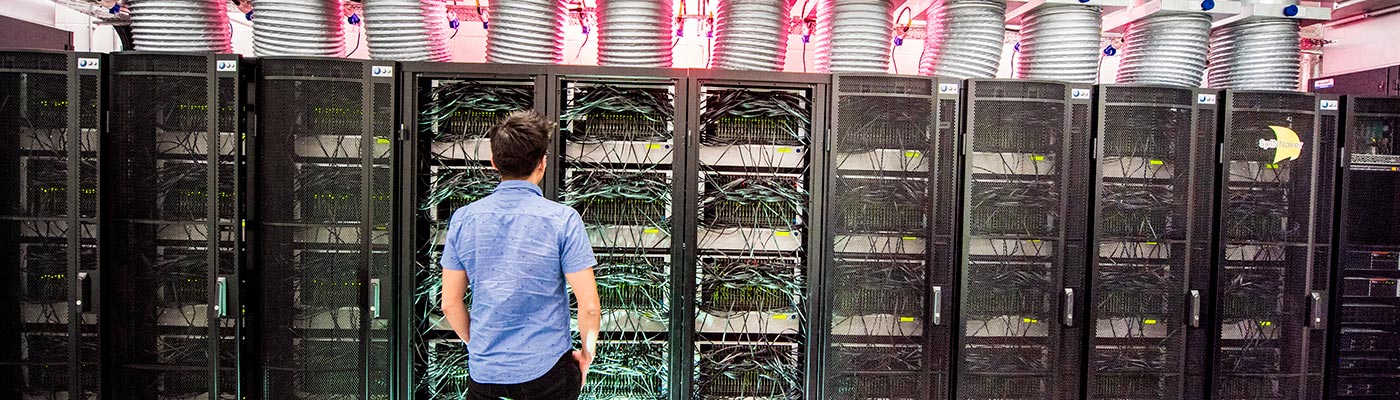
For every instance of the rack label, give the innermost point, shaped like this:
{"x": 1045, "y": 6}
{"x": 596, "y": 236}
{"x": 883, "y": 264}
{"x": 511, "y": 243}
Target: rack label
{"x": 1330, "y": 105}
{"x": 89, "y": 63}
{"x": 1080, "y": 93}
{"x": 947, "y": 88}
{"x": 1323, "y": 83}
{"x": 226, "y": 66}
{"x": 1205, "y": 99}
{"x": 381, "y": 71}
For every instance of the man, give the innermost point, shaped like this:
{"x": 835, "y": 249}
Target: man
{"x": 517, "y": 249}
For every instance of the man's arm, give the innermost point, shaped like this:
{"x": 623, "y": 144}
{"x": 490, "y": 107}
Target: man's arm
{"x": 590, "y": 315}
{"x": 454, "y": 306}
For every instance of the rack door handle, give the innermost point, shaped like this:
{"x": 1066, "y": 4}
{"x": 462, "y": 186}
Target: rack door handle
{"x": 938, "y": 305}
{"x": 1317, "y": 306}
{"x": 1069, "y": 307}
{"x": 82, "y": 289}
{"x": 222, "y": 306}
{"x": 374, "y": 298}
{"x": 1194, "y": 320}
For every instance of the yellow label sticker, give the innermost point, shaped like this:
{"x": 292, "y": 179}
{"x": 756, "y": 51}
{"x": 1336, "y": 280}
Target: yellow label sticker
{"x": 383, "y": 141}
{"x": 913, "y": 153}
{"x": 782, "y": 233}
{"x": 1271, "y": 166}
{"x": 906, "y": 319}
{"x": 654, "y": 146}
{"x": 1038, "y": 158}
{"x": 780, "y": 316}
{"x": 1030, "y": 320}
{"x": 651, "y": 231}
{"x": 1266, "y": 323}
{"x": 1151, "y": 243}
{"x": 1150, "y": 321}
{"x": 910, "y": 238}
{"x": 784, "y": 149}
{"x": 1156, "y": 162}
{"x": 1035, "y": 240}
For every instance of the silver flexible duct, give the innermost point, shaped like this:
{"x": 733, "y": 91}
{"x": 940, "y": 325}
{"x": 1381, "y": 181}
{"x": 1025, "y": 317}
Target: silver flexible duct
{"x": 751, "y": 34}
{"x": 1167, "y": 48}
{"x": 964, "y": 38}
{"x": 199, "y": 26}
{"x": 407, "y": 30}
{"x": 526, "y": 32}
{"x": 1256, "y": 54}
{"x": 1061, "y": 43}
{"x": 635, "y": 33}
{"x": 853, "y": 36}
{"x": 298, "y": 28}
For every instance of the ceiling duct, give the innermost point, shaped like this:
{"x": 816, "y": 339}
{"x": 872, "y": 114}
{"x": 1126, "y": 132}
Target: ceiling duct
{"x": 1258, "y": 53}
{"x": 1061, "y": 43}
{"x": 853, "y": 35}
{"x": 964, "y": 38}
{"x": 1167, "y": 48}
{"x": 406, "y": 30}
{"x": 526, "y": 32}
{"x": 187, "y": 26}
{"x": 751, "y": 34}
{"x": 635, "y": 33}
{"x": 298, "y": 28}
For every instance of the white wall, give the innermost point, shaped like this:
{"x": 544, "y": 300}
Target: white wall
{"x": 1362, "y": 45}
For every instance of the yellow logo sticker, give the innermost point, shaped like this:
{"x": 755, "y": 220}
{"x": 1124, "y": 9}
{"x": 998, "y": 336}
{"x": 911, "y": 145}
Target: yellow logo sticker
{"x": 1285, "y": 144}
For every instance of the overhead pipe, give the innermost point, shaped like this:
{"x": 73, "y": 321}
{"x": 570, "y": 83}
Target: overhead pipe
{"x": 199, "y": 26}
{"x": 751, "y": 34}
{"x": 298, "y": 28}
{"x": 635, "y": 33}
{"x": 1061, "y": 42}
{"x": 407, "y": 30}
{"x": 964, "y": 39}
{"x": 1167, "y": 48}
{"x": 1256, "y": 53}
{"x": 526, "y": 32}
{"x": 853, "y": 35}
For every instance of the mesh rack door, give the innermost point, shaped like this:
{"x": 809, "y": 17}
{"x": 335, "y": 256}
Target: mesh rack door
{"x": 1153, "y": 220}
{"x": 1025, "y": 183}
{"x": 891, "y": 259}
{"x": 48, "y": 224}
{"x": 171, "y": 163}
{"x": 324, "y": 227}
{"x": 755, "y": 234}
{"x": 1274, "y": 250}
{"x": 619, "y": 159}
{"x": 449, "y": 109}
{"x": 1365, "y": 340}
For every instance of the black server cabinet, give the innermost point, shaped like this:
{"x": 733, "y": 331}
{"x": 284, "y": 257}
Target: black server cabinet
{"x": 891, "y": 231}
{"x": 621, "y": 148}
{"x": 1365, "y": 323}
{"x": 49, "y": 119}
{"x": 753, "y": 155}
{"x": 446, "y": 165}
{"x": 1151, "y": 249}
{"x": 171, "y": 228}
{"x": 323, "y": 227}
{"x": 1273, "y": 252}
{"x": 1026, "y": 183}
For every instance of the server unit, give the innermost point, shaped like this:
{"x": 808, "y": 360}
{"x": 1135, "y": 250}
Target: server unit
{"x": 1024, "y": 230}
{"x": 323, "y": 227}
{"x": 753, "y": 160}
{"x": 891, "y": 260}
{"x": 171, "y": 236}
{"x": 449, "y": 108}
{"x": 50, "y": 108}
{"x": 621, "y": 148}
{"x": 1365, "y": 329}
{"x": 1151, "y": 248}
{"x": 1274, "y": 254}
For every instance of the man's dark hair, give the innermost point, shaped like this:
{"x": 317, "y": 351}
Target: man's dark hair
{"x": 519, "y": 142}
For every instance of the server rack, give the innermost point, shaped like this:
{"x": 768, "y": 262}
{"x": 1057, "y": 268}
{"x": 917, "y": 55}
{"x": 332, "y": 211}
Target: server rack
{"x": 323, "y": 227}
{"x": 50, "y": 108}
{"x": 755, "y": 141}
{"x": 891, "y": 232}
{"x": 621, "y": 148}
{"x": 1024, "y": 230}
{"x": 1274, "y": 247}
{"x": 446, "y": 165}
{"x": 1364, "y": 332}
{"x": 171, "y": 231}
{"x": 1151, "y": 251}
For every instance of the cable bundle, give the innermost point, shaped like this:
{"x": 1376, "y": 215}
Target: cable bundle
{"x": 763, "y": 201}
{"x": 744, "y": 116}
{"x": 607, "y": 112}
{"x": 466, "y": 109}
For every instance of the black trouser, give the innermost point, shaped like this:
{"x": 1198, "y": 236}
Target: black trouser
{"x": 561, "y": 382}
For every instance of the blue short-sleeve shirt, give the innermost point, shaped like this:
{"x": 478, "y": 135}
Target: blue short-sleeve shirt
{"x": 516, "y": 247}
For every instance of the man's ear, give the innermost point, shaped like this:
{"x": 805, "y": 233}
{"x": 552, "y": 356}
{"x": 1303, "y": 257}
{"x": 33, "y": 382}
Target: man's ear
{"x": 543, "y": 161}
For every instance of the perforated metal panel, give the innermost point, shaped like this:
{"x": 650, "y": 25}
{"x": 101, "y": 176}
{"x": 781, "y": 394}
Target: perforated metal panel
{"x": 1153, "y": 217}
{"x": 172, "y": 206}
{"x": 1364, "y": 341}
{"x": 1024, "y": 237}
{"x": 325, "y": 224}
{"x": 48, "y": 226}
{"x": 893, "y": 164}
{"x": 1274, "y": 240}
